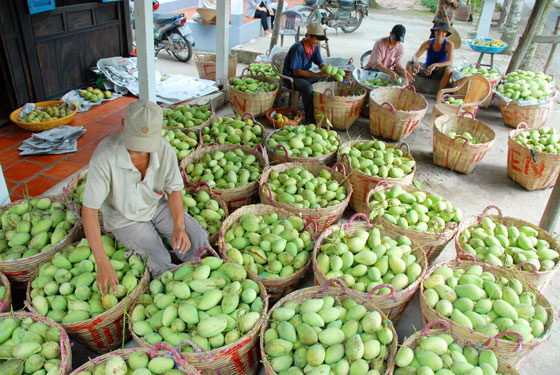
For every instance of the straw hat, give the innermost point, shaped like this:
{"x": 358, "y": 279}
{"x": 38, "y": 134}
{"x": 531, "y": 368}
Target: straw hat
{"x": 454, "y": 37}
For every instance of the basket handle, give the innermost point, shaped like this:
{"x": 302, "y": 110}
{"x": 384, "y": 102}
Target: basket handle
{"x": 329, "y": 282}
{"x": 259, "y": 148}
{"x": 284, "y": 148}
{"x": 249, "y": 114}
{"x": 466, "y": 113}
{"x": 185, "y": 175}
{"x": 200, "y": 141}
{"x": 310, "y": 222}
{"x": 453, "y": 226}
{"x": 391, "y": 107}
{"x": 246, "y": 69}
{"x": 522, "y": 125}
{"x": 410, "y": 87}
{"x": 380, "y": 184}
{"x": 488, "y": 208}
{"x": 331, "y": 95}
{"x": 196, "y": 349}
{"x": 534, "y": 269}
{"x": 430, "y": 325}
{"x": 270, "y": 197}
{"x": 403, "y": 145}
{"x": 460, "y": 137}
{"x": 356, "y": 216}
{"x": 262, "y": 87}
{"x": 464, "y": 256}
{"x": 336, "y": 167}
{"x": 502, "y": 334}
{"x": 351, "y": 61}
{"x": 392, "y": 294}
{"x": 198, "y": 255}
{"x": 176, "y": 357}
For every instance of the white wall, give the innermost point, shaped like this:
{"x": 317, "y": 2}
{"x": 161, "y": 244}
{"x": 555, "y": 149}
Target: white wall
{"x": 4, "y": 195}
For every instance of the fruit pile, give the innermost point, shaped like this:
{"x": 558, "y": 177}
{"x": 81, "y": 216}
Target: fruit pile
{"x": 268, "y": 244}
{"x": 225, "y": 170}
{"x": 324, "y": 336}
{"x": 486, "y": 303}
{"x": 488, "y": 74}
{"x": 304, "y": 141}
{"x": 33, "y": 226}
{"x": 65, "y": 287}
{"x": 337, "y": 74}
{"x": 233, "y": 130}
{"x": 280, "y": 117}
{"x": 211, "y": 304}
{"x": 376, "y": 158}
{"x": 416, "y": 210}
{"x": 472, "y": 139}
{"x": 186, "y": 116}
{"x": 526, "y": 85}
{"x": 380, "y": 82}
{"x": 544, "y": 139}
{"x": 48, "y": 113}
{"x": 183, "y": 143}
{"x": 139, "y": 363}
{"x": 264, "y": 68}
{"x": 488, "y": 43}
{"x": 365, "y": 259}
{"x": 252, "y": 86}
{"x": 454, "y": 101}
{"x": 204, "y": 209}
{"x": 95, "y": 95}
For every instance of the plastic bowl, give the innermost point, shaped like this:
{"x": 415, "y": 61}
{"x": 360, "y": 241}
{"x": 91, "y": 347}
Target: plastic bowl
{"x": 285, "y": 111}
{"x": 485, "y": 49}
{"x": 45, "y": 125}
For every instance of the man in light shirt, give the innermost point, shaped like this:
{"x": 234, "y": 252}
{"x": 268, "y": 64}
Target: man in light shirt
{"x": 135, "y": 178}
{"x": 386, "y": 55}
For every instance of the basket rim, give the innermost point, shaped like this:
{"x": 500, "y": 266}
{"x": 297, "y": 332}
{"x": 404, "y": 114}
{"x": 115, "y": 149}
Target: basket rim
{"x": 441, "y": 120}
{"x": 402, "y": 89}
{"x": 258, "y": 77}
{"x": 7, "y": 300}
{"x": 14, "y": 115}
{"x": 515, "y": 132}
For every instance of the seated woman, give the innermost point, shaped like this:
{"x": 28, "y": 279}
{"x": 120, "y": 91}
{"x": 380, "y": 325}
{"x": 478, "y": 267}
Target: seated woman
{"x": 261, "y": 9}
{"x": 439, "y": 56}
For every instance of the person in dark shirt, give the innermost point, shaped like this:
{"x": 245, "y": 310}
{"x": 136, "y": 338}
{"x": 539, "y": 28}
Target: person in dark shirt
{"x": 299, "y": 60}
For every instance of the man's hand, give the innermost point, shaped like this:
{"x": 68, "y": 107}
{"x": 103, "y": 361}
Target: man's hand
{"x": 430, "y": 69}
{"x": 180, "y": 240}
{"x": 106, "y": 274}
{"x": 271, "y": 12}
{"x": 409, "y": 77}
{"x": 394, "y": 76}
{"x": 416, "y": 67}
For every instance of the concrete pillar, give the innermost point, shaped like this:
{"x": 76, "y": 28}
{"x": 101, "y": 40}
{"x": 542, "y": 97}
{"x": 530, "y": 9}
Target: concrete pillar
{"x": 222, "y": 41}
{"x": 143, "y": 13}
{"x": 485, "y": 19}
{"x": 4, "y": 194}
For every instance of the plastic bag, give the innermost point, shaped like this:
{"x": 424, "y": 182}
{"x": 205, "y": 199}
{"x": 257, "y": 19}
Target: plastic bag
{"x": 361, "y": 75}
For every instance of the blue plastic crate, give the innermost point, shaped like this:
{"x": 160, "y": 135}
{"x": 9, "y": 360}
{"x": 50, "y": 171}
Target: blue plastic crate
{"x": 485, "y": 49}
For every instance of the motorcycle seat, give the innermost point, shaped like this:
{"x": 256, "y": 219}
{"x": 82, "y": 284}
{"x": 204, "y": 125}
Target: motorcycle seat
{"x": 160, "y": 19}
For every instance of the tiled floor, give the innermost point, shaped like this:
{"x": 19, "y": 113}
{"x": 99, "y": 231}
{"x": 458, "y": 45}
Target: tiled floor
{"x": 34, "y": 175}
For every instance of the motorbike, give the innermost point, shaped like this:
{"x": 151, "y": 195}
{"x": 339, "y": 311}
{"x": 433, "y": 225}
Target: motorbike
{"x": 170, "y": 34}
{"x": 344, "y": 14}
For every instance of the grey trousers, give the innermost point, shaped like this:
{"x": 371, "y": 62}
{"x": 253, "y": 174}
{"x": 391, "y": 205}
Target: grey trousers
{"x": 143, "y": 239}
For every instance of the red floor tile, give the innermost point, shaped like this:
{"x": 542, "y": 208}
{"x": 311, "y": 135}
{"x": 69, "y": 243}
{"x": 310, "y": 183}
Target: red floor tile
{"x": 84, "y": 140}
{"x": 15, "y": 197}
{"x": 6, "y": 142}
{"x": 10, "y": 184}
{"x": 19, "y": 133}
{"x": 63, "y": 169}
{"x": 22, "y": 171}
{"x": 9, "y": 157}
{"x": 82, "y": 119}
{"x": 114, "y": 120}
{"x": 46, "y": 159}
{"x": 102, "y": 110}
{"x": 123, "y": 101}
{"x": 97, "y": 130}
{"x": 36, "y": 186}
{"x": 5, "y": 129}
{"x": 83, "y": 154}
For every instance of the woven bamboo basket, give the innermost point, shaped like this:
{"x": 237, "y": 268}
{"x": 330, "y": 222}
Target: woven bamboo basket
{"x": 6, "y": 303}
{"x": 45, "y": 125}
{"x": 460, "y": 156}
{"x": 277, "y": 124}
{"x": 104, "y": 332}
{"x": 362, "y": 182}
{"x": 160, "y": 350}
{"x": 197, "y": 127}
{"x": 65, "y": 350}
{"x": 514, "y": 353}
{"x": 243, "y": 117}
{"x": 76, "y": 206}
{"x": 21, "y": 270}
{"x": 276, "y": 287}
{"x": 394, "y": 304}
{"x": 534, "y": 115}
{"x": 325, "y": 216}
{"x": 325, "y": 290}
{"x": 534, "y": 170}
{"x": 257, "y": 104}
{"x": 240, "y": 357}
{"x": 239, "y": 196}
{"x": 494, "y": 82}
{"x": 504, "y": 368}
{"x": 538, "y": 280}
{"x": 394, "y": 113}
{"x": 340, "y": 103}
{"x": 432, "y": 242}
{"x": 206, "y": 66}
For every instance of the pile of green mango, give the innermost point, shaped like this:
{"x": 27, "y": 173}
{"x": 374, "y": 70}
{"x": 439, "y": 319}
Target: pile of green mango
{"x": 65, "y": 288}
{"x": 252, "y": 85}
{"x": 186, "y": 116}
{"x": 302, "y": 189}
{"x": 233, "y": 130}
{"x": 3, "y": 291}
{"x": 365, "y": 259}
{"x": 47, "y": 113}
{"x": 337, "y": 74}
{"x": 264, "y": 68}
{"x": 488, "y": 74}
{"x": 485, "y": 303}
{"x": 139, "y": 363}
{"x": 183, "y": 143}
{"x": 32, "y": 226}
{"x": 472, "y": 139}
{"x": 269, "y": 245}
{"x": 526, "y": 85}
{"x": 211, "y": 304}
{"x": 28, "y": 347}
{"x": 440, "y": 354}
{"x": 304, "y": 141}
{"x": 417, "y": 210}
{"x": 204, "y": 209}
{"x": 454, "y": 101}
{"x": 545, "y": 139}
{"x": 379, "y": 82}
{"x": 503, "y": 245}
{"x": 377, "y": 158}
{"x": 225, "y": 170}
{"x": 327, "y": 336}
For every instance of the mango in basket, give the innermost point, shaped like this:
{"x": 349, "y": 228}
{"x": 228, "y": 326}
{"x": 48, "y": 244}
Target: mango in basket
{"x": 544, "y": 139}
{"x": 48, "y": 113}
{"x": 138, "y": 363}
{"x": 233, "y": 130}
{"x": 472, "y": 139}
{"x": 337, "y": 74}
{"x": 252, "y": 85}
{"x": 264, "y": 68}
{"x": 183, "y": 143}
{"x": 304, "y": 141}
{"x": 186, "y": 115}
{"x": 488, "y": 74}
{"x": 526, "y": 86}
{"x": 454, "y": 101}
{"x": 204, "y": 209}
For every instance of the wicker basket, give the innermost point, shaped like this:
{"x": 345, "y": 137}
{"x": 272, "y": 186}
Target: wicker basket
{"x": 394, "y": 113}
{"x": 362, "y": 182}
{"x": 340, "y": 103}
{"x": 276, "y": 287}
{"x": 494, "y": 82}
{"x": 197, "y": 127}
{"x": 460, "y": 156}
{"x": 76, "y": 206}
{"x": 504, "y": 368}
{"x": 513, "y": 352}
{"x": 244, "y": 117}
{"x": 394, "y": 304}
{"x": 257, "y": 104}
{"x": 302, "y": 295}
{"x": 206, "y": 66}
{"x": 276, "y": 124}
{"x": 432, "y": 242}
{"x": 6, "y": 303}
{"x": 534, "y": 170}
{"x": 236, "y": 197}
{"x": 325, "y": 216}
{"x": 240, "y": 357}
{"x": 160, "y": 350}
{"x": 45, "y": 125}
{"x": 538, "y": 280}
{"x": 534, "y": 115}
{"x": 65, "y": 350}
{"x": 21, "y": 270}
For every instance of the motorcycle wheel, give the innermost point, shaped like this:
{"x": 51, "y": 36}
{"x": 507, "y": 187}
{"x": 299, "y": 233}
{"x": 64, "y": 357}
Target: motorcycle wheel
{"x": 354, "y": 26}
{"x": 181, "y": 44}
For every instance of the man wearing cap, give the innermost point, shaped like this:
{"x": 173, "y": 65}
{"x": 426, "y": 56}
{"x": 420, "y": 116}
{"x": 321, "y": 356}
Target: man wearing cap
{"x": 129, "y": 176}
{"x": 439, "y": 57}
{"x": 299, "y": 60}
{"x": 387, "y": 54}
